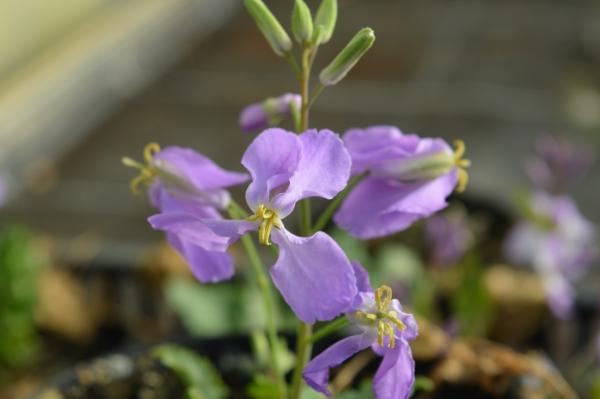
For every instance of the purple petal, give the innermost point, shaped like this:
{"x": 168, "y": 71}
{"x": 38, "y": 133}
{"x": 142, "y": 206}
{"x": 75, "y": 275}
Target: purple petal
{"x": 169, "y": 201}
{"x": 362, "y": 277}
{"x": 396, "y": 374}
{"x": 253, "y": 118}
{"x": 378, "y": 207}
{"x": 272, "y": 158}
{"x": 316, "y": 372}
{"x": 189, "y": 173}
{"x": 377, "y": 144}
{"x": 560, "y": 295}
{"x": 207, "y": 266}
{"x": 323, "y": 170}
{"x": 313, "y": 275}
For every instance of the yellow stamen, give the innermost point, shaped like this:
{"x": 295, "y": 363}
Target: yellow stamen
{"x": 389, "y": 330}
{"x": 380, "y": 332}
{"x": 393, "y": 317}
{"x": 147, "y": 171}
{"x": 268, "y": 219}
{"x": 462, "y": 165}
{"x": 383, "y": 297}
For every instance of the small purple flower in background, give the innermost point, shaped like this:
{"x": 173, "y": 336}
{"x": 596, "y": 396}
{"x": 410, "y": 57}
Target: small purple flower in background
{"x": 183, "y": 181}
{"x": 558, "y": 242}
{"x": 448, "y": 237}
{"x": 384, "y": 327}
{"x": 409, "y": 178}
{"x": 312, "y": 273}
{"x": 557, "y": 162}
{"x": 270, "y": 112}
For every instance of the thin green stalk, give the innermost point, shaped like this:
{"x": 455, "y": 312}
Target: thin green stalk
{"x": 334, "y": 204}
{"x": 329, "y": 328}
{"x": 303, "y": 350}
{"x": 236, "y": 212}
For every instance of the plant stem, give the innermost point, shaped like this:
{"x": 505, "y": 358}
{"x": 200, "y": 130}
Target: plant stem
{"x": 334, "y": 204}
{"x": 329, "y": 328}
{"x": 236, "y": 212}
{"x": 303, "y": 350}
{"x": 303, "y": 344}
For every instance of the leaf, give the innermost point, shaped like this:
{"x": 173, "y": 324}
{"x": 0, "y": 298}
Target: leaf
{"x": 364, "y": 392}
{"x": 262, "y": 387}
{"x": 198, "y": 374}
{"x": 422, "y": 383}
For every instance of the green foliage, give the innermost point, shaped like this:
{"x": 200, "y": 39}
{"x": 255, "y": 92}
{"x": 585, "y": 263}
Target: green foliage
{"x": 364, "y": 392}
{"x": 262, "y": 387}
{"x": 422, "y": 383}
{"x": 18, "y": 296}
{"x": 196, "y": 372}
{"x": 471, "y": 303}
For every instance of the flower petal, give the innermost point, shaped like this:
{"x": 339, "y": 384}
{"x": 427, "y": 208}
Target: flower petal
{"x": 271, "y": 159}
{"x": 316, "y": 372}
{"x": 323, "y": 170}
{"x": 207, "y": 266}
{"x": 313, "y": 275}
{"x": 362, "y": 277}
{"x": 197, "y": 169}
{"x": 380, "y": 207}
{"x": 396, "y": 374}
{"x": 167, "y": 201}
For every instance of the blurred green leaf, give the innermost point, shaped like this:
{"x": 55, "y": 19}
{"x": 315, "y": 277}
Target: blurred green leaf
{"x": 354, "y": 249}
{"x": 422, "y": 383}
{"x": 196, "y": 372}
{"x": 262, "y": 387}
{"x": 471, "y": 303}
{"x": 364, "y": 392}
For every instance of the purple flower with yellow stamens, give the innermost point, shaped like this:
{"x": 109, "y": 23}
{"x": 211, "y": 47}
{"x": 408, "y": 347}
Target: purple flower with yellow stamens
{"x": 408, "y": 178}
{"x": 270, "y": 112}
{"x": 312, "y": 273}
{"x": 383, "y": 326}
{"x": 183, "y": 181}
{"x": 558, "y": 242}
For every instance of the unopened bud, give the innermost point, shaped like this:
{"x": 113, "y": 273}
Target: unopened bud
{"x": 326, "y": 18}
{"x": 269, "y": 26}
{"x": 348, "y": 57}
{"x": 269, "y": 112}
{"x": 302, "y": 24}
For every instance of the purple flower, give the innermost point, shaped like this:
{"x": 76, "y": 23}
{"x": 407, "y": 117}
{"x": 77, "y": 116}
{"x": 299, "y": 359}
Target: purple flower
{"x": 384, "y": 327}
{"x": 270, "y": 112}
{"x": 312, "y": 273}
{"x": 409, "y": 178}
{"x": 558, "y": 242}
{"x": 557, "y": 162}
{"x": 184, "y": 182}
{"x": 449, "y": 237}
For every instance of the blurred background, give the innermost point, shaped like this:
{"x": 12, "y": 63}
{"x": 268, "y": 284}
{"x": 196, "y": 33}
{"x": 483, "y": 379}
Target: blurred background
{"x": 85, "y": 82}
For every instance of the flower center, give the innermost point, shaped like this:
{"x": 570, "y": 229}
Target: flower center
{"x": 385, "y": 319}
{"x": 268, "y": 219}
{"x": 461, "y": 164}
{"x": 147, "y": 170}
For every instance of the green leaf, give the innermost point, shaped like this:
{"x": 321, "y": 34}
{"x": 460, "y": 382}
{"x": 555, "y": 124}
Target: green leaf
{"x": 364, "y": 392}
{"x": 196, "y": 372}
{"x": 422, "y": 383}
{"x": 262, "y": 387}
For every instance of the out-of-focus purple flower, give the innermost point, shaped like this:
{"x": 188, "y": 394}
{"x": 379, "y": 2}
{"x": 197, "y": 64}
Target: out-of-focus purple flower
{"x": 384, "y": 327}
{"x": 312, "y": 273}
{"x": 409, "y": 178}
{"x": 184, "y": 182}
{"x": 557, "y": 162}
{"x": 449, "y": 237}
{"x": 270, "y": 112}
{"x": 558, "y": 242}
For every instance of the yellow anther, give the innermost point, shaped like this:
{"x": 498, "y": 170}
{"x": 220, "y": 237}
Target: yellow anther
{"x": 147, "y": 171}
{"x": 389, "y": 331}
{"x": 393, "y": 317}
{"x": 268, "y": 219}
{"x": 367, "y": 316}
{"x": 461, "y": 164}
{"x": 383, "y": 297}
{"x": 380, "y": 333}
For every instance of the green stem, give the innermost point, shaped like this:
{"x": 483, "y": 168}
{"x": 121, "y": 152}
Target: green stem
{"x": 236, "y": 212}
{"x": 334, "y": 204}
{"x": 329, "y": 328}
{"x": 303, "y": 350}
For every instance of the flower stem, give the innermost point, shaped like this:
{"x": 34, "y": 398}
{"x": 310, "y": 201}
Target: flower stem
{"x": 303, "y": 344}
{"x": 303, "y": 350}
{"x": 329, "y": 328}
{"x": 236, "y": 212}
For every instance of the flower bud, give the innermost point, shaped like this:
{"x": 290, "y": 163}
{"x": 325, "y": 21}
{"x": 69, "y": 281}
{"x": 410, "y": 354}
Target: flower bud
{"x": 326, "y": 18}
{"x": 302, "y": 24}
{"x": 269, "y": 112}
{"x": 419, "y": 168}
{"x": 348, "y": 57}
{"x": 269, "y": 26}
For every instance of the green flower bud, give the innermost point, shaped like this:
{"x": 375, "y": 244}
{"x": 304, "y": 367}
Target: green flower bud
{"x": 302, "y": 25}
{"x": 348, "y": 57}
{"x": 326, "y": 18}
{"x": 269, "y": 26}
